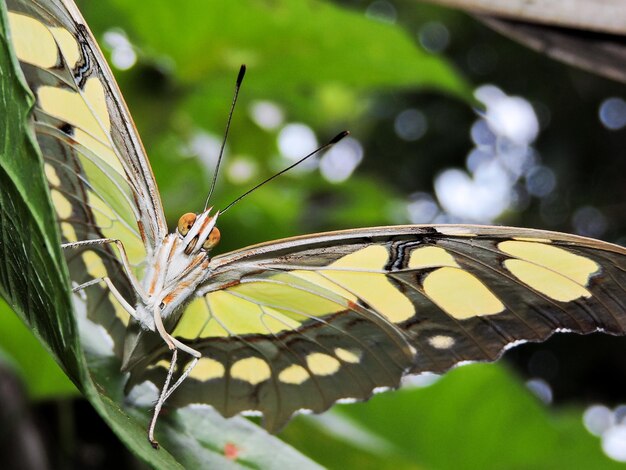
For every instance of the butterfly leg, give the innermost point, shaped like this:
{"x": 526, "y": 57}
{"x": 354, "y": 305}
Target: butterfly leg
{"x": 161, "y": 400}
{"x": 125, "y": 305}
{"x": 124, "y": 258}
{"x": 182, "y": 378}
{"x": 174, "y": 345}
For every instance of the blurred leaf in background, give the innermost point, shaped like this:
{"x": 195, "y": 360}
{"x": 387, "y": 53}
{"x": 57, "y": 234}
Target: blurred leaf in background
{"x": 19, "y": 344}
{"x": 477, "y": 416}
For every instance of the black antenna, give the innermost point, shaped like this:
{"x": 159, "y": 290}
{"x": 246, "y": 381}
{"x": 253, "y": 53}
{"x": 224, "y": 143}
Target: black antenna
{"x": 242, "y": 72}
{"x": 331, "y": 142}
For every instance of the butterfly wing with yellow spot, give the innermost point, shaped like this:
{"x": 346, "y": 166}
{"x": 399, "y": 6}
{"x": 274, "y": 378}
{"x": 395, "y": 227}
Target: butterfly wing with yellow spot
{"x": 99, "y": 177}
{"x": 304, "y": 322}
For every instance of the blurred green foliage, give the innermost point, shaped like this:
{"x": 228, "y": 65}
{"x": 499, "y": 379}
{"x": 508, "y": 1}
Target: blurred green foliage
{"x": 41, "y": 374}
{"x": 477, "y": 416}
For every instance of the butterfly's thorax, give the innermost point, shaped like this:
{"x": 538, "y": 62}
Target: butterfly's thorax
{"x": 171, "y": 278}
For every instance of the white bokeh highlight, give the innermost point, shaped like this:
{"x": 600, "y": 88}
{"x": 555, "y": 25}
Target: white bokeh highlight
{"x": 381, "y": 10}
{"x": 612, "y": 113}
{"x": 614, "y": 442}
{"x": 205, "y": 147}
{"x": 610, "y": 426}
{"x": 267, "y": 115}
{"x": 434, "y": 36}
{"x": 123, "y": 55}
{"x": 338, "y": 163}
{"x": 295, "y": 140}
{"x": 410, "y": 125}
{"x": 241, "y": 170}
{"x": 502, "y": 160}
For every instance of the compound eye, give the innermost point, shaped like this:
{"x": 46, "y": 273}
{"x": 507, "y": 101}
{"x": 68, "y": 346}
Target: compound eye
{"x": 213, "y": 239}
{"x": 186, "y": 222}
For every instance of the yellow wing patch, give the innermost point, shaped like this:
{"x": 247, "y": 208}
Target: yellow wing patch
{"x": 278, "y": 293}
{"x": 32, "y": 41}
{"x": 68, "y": 45}
{"x": 207, "y": 369}
{"x": 195, "y": 322}
{"x": 319, "y": 280}
{"x": 347, "y": 356}
{"x": 238, "y": 316}
{"x": 460, "y": 294}
{"x": 251, "y": 369}
{"x": 548, "y": 282}
{"x": 88, "y": 114}
{"x": 120, "y": 312}
{"x": 374, "y": 288}
{"x": 165, "y": 364}
{"x": 95, "y": 266}
{"x": 112, "y": 226}
{"x": 51, "y": 174}
{"x": 294, "y": 375}
{"x": 431, "y": 257}
{"x": 455, "y": 230}
{"x": 221, "y": 314}
{"x": 322, "y": 364}
{"x": 69, "y": 106}
{"x": 97, "y": 150}
{"x": 68, "y": 232}
{"x": 61, "y": 204}
{"x": 578, "y": 268}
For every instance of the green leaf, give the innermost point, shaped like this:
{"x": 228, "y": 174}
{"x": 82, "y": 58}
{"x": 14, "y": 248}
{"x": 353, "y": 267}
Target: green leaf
{"x": 33, "y": 277}
{"x": 283, "y": 43}
{"x": 41, "y": 374}
{"x": 477, "y": 416}
{"x": 34, "y": 282}
{"x": 321, "y": 61}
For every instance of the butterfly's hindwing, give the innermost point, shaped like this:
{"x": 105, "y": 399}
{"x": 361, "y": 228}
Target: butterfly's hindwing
{"x": 375, "y": 304}
{"x": 344, "y": 353}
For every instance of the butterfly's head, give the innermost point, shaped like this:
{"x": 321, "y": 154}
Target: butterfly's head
{"x": 198, "y": 231}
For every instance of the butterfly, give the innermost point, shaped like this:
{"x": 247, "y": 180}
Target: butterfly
{"x": 288, "y": 325}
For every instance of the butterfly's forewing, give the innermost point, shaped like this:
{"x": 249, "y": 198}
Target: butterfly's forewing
{"x": 100, "y": 180}
{"x": 303, "y": 322}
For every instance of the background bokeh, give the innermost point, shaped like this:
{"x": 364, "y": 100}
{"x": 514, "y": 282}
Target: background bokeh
{"x": 450, "y": 122}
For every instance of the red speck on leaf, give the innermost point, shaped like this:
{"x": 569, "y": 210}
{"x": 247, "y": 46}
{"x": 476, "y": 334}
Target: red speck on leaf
{"x": 231, "y": 451}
